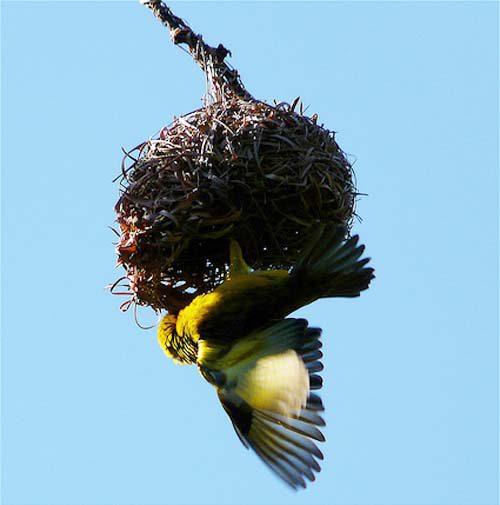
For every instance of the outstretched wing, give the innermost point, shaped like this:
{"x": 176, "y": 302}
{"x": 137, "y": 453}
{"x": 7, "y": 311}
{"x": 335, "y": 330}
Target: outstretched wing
{"x": 329, "y": 266}
{"x": 286, "y": 442}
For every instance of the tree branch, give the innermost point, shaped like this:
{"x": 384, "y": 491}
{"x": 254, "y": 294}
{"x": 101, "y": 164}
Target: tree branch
{"x": 223, "y": 78}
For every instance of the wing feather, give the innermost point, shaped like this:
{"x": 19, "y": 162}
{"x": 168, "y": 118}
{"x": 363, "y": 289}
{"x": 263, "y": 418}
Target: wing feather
{"x": 285, "y": 443}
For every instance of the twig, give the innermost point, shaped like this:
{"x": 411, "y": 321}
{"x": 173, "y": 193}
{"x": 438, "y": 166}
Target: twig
{"x": 222, "y": 77}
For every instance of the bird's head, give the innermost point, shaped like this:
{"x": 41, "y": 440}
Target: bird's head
{"x": 166, "y": 330}
{"x": 180, "y": 349}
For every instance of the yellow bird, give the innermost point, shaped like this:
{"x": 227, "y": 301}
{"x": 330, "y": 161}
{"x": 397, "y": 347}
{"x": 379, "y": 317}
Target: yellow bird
{"x": 264, "y": 367}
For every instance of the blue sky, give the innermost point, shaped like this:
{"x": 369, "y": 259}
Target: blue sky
{"x": 93, "y": 413}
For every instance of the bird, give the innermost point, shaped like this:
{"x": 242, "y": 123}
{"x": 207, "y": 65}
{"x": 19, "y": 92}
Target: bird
{"x": 263, "y": 364}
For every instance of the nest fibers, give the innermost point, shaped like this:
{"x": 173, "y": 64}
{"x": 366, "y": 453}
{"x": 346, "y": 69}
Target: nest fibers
{"x": 237, "y": 168}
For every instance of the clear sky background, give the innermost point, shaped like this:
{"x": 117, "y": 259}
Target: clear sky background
{"x": 93, "y": 413}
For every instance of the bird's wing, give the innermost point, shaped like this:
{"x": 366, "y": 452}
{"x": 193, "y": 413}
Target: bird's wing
{"x": 329, "y": 266}
{"x": 240, "y": 305}
{"x": 272, "y": 410}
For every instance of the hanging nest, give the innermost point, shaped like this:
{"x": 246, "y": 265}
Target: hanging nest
{"x": 236, "y": 168}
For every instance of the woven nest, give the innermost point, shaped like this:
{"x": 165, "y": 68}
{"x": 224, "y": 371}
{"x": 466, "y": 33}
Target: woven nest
{"x": 238, "y": 168}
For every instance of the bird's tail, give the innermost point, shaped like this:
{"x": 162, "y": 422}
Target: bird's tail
{"x": 330, "y": 265}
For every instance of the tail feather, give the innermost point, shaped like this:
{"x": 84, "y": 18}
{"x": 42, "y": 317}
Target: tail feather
{"x": 330, "y": 265}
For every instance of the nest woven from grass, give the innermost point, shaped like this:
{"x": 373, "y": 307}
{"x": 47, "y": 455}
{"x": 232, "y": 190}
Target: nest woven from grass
{"x": 237, "y": 168}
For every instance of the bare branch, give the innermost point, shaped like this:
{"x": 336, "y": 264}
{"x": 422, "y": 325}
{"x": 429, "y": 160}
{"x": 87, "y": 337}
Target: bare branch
{"x": 223, "y": 79}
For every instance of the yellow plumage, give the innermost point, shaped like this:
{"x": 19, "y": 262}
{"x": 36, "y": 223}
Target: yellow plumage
{"x": 277, "y": 383}
{"x": 263, "y": 366}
